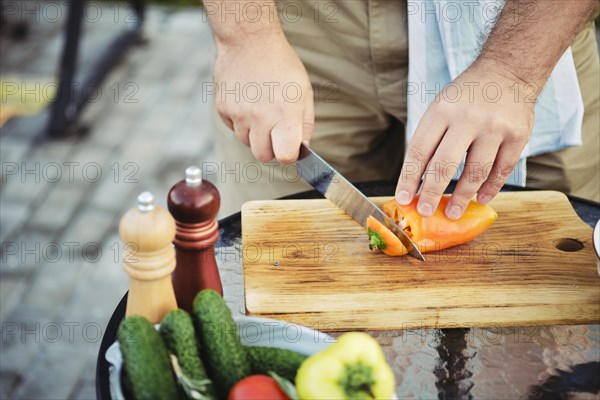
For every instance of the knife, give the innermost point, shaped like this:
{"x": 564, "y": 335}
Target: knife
{"x": 337, "y": 189}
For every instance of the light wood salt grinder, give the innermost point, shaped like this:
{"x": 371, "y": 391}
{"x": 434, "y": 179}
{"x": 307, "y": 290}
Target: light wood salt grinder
{"x": 147, "y": 232}
{"x": 194, "y": 204}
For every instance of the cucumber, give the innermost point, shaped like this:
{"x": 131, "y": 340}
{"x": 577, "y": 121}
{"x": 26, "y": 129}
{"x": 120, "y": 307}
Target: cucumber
{"x": 283, "y": 362}
{"x": 179, "y": 336}
{"x": 224, "y": 356}
{"x": 147, "y": 372}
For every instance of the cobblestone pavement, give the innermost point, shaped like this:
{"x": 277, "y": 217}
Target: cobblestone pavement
{"x": 61, "y": 200}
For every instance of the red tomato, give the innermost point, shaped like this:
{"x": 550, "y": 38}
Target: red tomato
{"x": 257, "y": 387}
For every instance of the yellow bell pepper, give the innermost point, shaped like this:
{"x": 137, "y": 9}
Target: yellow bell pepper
{"x": 352, "y": 368}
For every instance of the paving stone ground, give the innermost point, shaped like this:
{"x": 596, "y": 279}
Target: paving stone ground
{"x": 60, "y": 271}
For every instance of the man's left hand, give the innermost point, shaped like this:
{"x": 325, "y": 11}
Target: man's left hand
{"x": 487, "y": 113}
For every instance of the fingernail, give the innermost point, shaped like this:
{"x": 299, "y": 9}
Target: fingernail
{"x": 403, "y": 197}
{"x": 485, "y": 199}
{"x": 454, "y": 212}
{"x": 425, "y": 209}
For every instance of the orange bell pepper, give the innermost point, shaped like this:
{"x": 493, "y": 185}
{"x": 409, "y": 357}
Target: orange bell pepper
{"x": 433, "y": 233}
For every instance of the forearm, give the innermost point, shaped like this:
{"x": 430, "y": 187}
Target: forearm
{"x": 530, "y": 36}
{"x": 236, "y": 21}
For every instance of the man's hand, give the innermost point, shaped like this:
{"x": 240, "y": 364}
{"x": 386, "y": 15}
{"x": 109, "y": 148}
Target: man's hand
{"x": 485, "y": 113}
{"x": 265, "y": 95}
{"x": 492, "y": 128}
{"x": 263, "y": 91}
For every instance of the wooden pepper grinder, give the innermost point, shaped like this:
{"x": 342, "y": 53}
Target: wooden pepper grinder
{"x": 148, "y": 233}
{"x": 194, "y": 204}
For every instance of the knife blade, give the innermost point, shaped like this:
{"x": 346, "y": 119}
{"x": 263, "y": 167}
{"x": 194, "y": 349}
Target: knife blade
{"x": 337, "y": 189}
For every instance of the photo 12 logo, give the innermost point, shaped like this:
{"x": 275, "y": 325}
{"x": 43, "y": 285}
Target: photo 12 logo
{"x": 256, "y": 330}
{"x": 268, "y": 92}
{"x": 287, "y": 12}
{"x": 68, "y": 171}
{"x": 45, "y": 92}
{"x": 51, "y": 332}
{"x": 56, "y": 12}
{"x": 472, "y": 11}
{"x": 15, "y": 254}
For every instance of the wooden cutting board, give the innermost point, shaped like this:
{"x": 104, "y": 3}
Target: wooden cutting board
{"x": 307, "y": 262}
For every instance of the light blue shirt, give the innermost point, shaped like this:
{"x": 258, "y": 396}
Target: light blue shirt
{"x": 445, "y": 37}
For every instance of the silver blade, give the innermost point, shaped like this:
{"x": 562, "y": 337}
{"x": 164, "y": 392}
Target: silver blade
{"x": 331, "y": 184}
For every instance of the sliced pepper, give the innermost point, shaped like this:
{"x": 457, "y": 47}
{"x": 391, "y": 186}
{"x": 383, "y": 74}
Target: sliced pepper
{"x": 433, "y": 233}
{"x": 352, "y": 368}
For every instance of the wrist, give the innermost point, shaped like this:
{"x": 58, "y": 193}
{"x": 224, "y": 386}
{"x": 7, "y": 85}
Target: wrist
{"x": 530, "y": 83}
{"x": 242, "y": 37}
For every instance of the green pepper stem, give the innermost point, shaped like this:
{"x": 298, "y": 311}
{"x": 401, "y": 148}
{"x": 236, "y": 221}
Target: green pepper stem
{"x": 357, "y": 382}
{"x": 375, "y": 240}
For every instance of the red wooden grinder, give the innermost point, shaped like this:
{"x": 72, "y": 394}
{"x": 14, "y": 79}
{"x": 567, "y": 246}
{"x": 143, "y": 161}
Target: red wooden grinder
{"x": 194, "y": 204}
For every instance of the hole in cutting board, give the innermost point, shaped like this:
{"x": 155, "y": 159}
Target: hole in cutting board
{"x": 568, "y": 245}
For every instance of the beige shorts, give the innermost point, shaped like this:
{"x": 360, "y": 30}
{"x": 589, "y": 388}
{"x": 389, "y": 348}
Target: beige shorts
{"x": 356, "y": 54}
{"x": 576, "y": 170}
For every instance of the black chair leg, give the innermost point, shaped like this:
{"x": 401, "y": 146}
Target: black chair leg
{"x": 64, "y": 109}
{"x": 72, "y": 96}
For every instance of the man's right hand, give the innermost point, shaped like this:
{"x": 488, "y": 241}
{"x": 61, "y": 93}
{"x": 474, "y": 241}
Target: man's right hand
{"x": 264, "y": 95}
